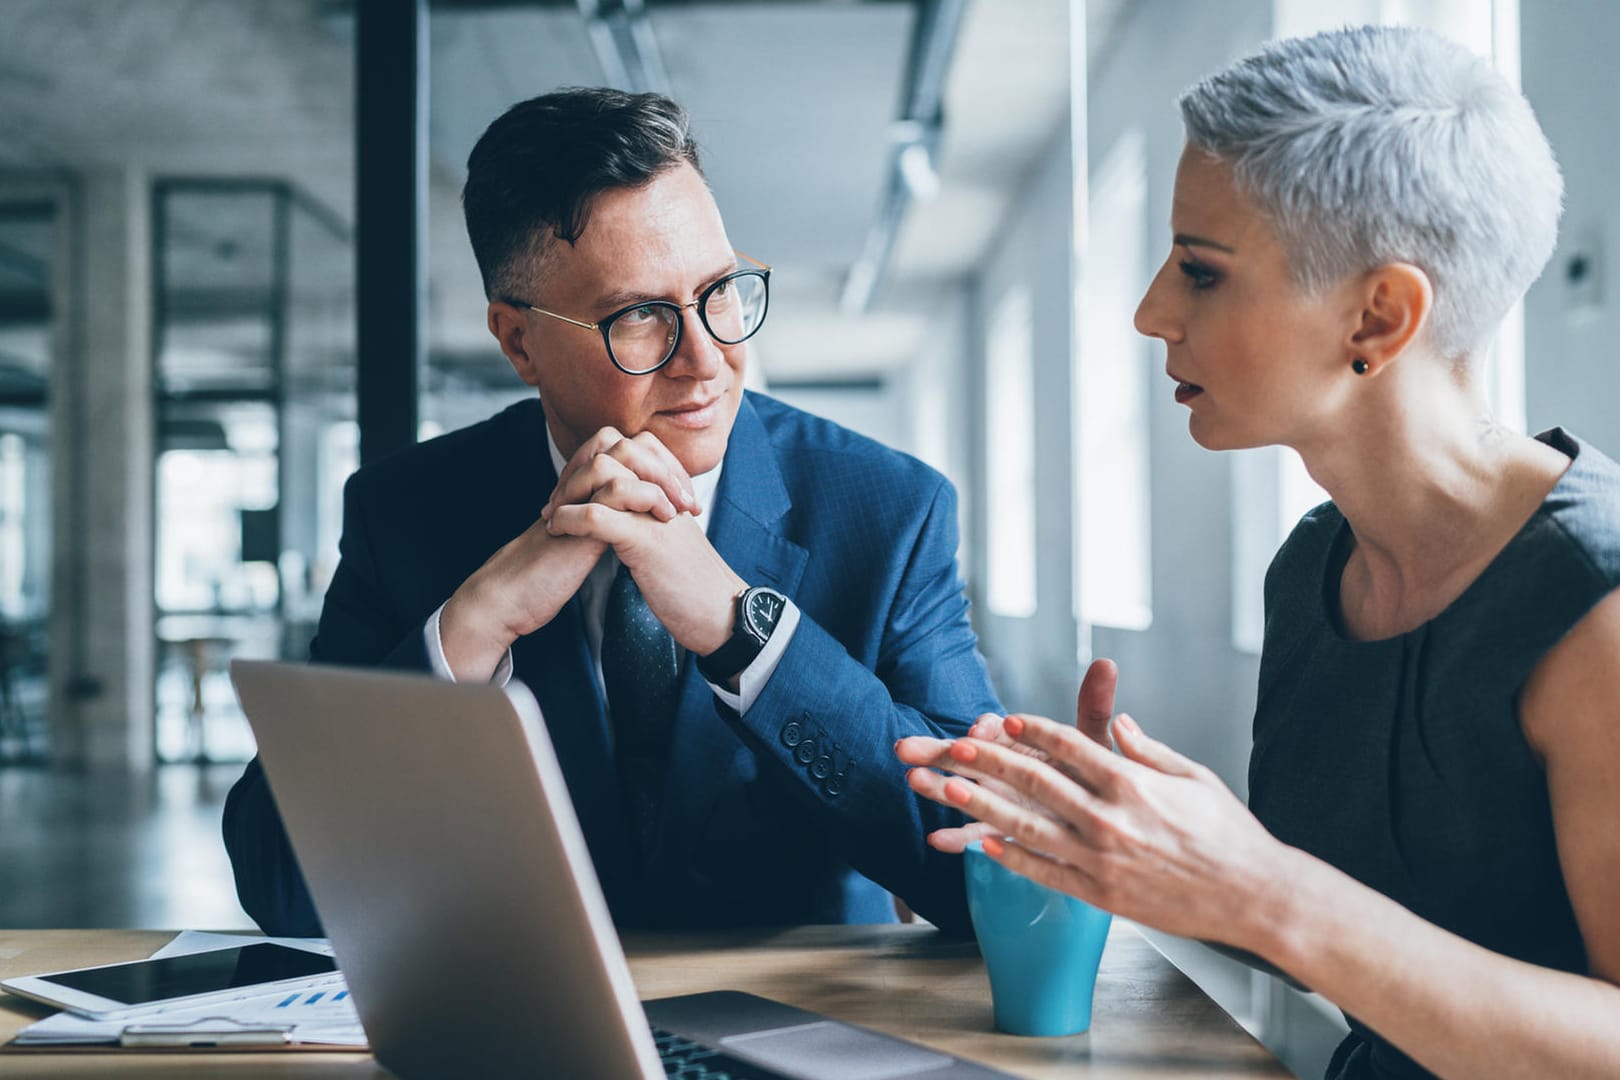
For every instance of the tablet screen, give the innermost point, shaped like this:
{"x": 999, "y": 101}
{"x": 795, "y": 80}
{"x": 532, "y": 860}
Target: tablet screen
{"x": 197, "y": 973}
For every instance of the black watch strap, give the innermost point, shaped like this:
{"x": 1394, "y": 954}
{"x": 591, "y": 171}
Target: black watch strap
{"x": 757, "y": 611}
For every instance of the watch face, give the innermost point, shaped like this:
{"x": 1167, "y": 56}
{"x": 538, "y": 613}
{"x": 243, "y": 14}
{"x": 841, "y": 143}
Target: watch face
{"x": 762, "y": 610}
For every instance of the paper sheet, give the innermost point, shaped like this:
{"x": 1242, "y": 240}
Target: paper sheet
{"x": 323, "y": 1015}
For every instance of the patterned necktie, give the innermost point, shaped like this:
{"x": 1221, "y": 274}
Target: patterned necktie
{"x": 642, "y": 682}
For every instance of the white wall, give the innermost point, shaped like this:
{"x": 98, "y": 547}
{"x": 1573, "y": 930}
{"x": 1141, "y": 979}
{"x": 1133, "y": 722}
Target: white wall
{"x": 935, "y": 392}
{"x": 1033, "y": 660}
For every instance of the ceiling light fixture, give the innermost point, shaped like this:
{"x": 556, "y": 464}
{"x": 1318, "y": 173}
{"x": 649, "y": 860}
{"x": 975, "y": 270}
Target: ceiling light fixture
{"x": 622, "y": 35}
{"x": 914, "y": 143}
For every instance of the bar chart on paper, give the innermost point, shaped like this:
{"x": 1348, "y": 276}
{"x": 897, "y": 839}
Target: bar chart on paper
{"x": 316, "y": 1016}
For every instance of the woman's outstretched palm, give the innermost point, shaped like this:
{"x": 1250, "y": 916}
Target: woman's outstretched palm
{"x": 1094, "y": 712}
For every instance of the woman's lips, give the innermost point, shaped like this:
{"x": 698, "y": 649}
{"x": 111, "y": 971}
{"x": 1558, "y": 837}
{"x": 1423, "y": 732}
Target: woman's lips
{"x": 1186, "y": 391}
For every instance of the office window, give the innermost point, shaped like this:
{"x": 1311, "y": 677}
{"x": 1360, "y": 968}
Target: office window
{"x": 1113, "y": 553}
{"x": 1010, "y": 457}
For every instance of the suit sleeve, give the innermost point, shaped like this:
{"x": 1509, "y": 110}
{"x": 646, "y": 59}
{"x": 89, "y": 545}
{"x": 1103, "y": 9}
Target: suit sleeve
{"x": 358, "y": 626}
{"x": 830, "y": 723}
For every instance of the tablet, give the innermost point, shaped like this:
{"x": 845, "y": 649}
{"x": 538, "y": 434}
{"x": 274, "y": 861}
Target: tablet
{"x": 116, "y": 991}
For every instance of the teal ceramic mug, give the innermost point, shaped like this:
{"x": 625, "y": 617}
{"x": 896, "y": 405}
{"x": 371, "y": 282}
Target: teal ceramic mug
{"x": 1041, "y": 947}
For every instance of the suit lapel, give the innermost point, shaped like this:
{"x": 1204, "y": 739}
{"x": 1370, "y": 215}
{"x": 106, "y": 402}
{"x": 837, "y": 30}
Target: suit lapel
{"x": 748, "y": 507}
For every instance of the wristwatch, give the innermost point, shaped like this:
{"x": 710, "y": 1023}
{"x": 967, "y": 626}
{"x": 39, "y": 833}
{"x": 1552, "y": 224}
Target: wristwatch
{"x": 758, "y": 611}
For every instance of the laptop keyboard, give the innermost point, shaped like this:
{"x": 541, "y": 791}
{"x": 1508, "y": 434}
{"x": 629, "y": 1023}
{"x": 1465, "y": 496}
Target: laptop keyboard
{"x": 686, "y": 1060}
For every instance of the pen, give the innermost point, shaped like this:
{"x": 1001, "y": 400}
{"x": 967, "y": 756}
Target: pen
{"x": 198, "y": 1035}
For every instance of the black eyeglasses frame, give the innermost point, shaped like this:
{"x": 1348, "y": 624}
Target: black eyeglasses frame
{"x": 604, "y": 325}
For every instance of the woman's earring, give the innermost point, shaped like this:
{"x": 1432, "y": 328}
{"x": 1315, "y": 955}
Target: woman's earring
{"x": 1359, "y": 366}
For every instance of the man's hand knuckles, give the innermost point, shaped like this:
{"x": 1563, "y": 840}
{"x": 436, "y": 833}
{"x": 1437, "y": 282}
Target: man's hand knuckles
{"x": 618, "y": 489}
{"x": 650, "y": 442}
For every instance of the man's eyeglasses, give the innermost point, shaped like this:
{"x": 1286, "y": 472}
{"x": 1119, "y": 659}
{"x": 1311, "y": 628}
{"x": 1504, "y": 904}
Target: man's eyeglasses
{"x": 641, "y": 338}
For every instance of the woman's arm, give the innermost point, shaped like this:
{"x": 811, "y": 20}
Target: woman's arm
{"x": 1157, "y": 838}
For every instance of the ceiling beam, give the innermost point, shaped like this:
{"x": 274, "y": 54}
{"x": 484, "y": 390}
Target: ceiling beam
{"x": 916, "y": 135}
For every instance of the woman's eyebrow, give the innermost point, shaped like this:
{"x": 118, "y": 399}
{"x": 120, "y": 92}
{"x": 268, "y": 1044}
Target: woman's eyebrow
{"x": 1188, "y": 240}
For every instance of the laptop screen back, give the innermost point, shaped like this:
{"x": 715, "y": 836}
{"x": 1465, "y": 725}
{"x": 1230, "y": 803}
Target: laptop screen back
{"x": 434, "y": 829}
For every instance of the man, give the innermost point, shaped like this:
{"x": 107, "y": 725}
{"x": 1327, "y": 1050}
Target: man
{"x": 728, "y": 609}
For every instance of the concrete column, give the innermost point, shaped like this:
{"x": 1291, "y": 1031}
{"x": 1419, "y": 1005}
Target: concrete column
{"x": 102, "y": 646}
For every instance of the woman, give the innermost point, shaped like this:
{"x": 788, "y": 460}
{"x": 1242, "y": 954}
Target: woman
{"x": 1431, "y": 841}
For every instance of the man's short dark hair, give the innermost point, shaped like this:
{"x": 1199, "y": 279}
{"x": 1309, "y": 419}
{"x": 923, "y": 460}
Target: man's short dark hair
{"x": 535, "y": 170}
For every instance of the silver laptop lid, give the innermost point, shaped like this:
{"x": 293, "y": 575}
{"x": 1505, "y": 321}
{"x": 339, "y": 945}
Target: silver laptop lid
{"x": 435, "y": 831}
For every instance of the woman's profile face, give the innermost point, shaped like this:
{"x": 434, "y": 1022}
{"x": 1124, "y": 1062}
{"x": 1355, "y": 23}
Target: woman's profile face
{"x": 1253, "y": 358}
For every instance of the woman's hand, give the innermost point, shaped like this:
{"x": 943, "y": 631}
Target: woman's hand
{"x": 1093, "y": 712}
{"x": 1150, "y": 835}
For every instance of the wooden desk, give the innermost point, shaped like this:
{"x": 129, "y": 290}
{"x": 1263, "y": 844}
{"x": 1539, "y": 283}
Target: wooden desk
{"x": 1149, "y": 1020}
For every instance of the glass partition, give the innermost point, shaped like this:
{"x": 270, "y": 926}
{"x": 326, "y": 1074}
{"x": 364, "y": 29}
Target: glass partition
{"x": 254, "y": 353}
{"x": 28, "y": 244}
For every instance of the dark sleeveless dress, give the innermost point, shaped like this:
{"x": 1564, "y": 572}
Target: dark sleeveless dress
{"x": 1402, "y": 761}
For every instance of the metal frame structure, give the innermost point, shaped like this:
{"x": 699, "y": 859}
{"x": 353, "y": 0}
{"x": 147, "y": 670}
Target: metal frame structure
{"x": 284, "y": 198}
{"x": 65, "y": 645}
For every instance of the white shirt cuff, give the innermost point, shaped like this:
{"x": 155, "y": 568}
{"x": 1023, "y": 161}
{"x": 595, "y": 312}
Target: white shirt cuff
{"x": 752, "y": 682}
{"x": 441, "y": 666}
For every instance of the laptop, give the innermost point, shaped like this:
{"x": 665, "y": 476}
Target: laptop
{"x": 440, "y": 846}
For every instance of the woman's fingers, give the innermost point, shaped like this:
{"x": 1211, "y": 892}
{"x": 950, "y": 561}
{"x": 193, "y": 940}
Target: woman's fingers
{"x": 1135, "y": 744}
{"x": 1026, "y": 825}
{"x": 1054, "y": 874}
{"x": 1038, "y": 782}
{"x": 1079, "y": 755}
{"x": 926, "y": 752}
{"x": 929, "y": 784}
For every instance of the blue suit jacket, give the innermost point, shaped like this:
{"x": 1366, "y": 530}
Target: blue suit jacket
{"x": 786, "y": 815}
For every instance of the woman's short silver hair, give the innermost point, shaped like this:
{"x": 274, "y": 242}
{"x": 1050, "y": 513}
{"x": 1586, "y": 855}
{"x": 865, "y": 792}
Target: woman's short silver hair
{"x": 1374, "y": 145}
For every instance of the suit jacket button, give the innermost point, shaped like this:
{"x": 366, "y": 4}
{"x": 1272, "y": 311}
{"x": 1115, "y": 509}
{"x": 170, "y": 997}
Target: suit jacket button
{"x": 792, "y": 735}
{"x": 821, "y": 768}
{"x": 833, "y": 785}
{"x": 805, "y": 752}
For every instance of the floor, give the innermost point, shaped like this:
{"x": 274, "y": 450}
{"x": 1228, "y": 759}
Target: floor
{"x": 89, "y": 850}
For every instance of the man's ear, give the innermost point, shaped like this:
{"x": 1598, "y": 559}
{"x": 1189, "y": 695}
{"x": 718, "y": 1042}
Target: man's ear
{"x": 1396, "y": 300}
{"x": 511, "y": 328}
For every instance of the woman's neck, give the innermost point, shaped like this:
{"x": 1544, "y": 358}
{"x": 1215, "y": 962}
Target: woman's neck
{"x": 1432, "y": 492}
